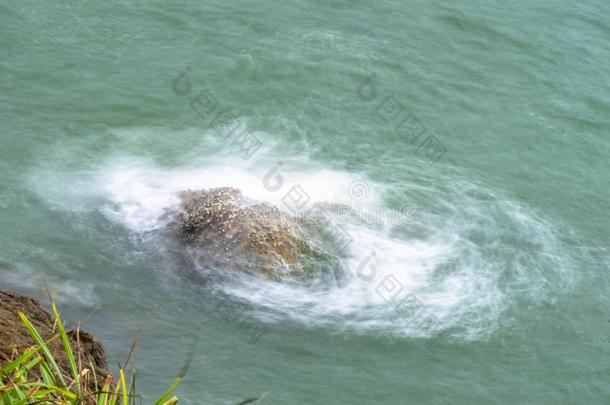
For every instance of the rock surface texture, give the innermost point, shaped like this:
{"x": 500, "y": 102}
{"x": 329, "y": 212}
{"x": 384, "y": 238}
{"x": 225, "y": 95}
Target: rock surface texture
{"x": 228, "y": 231}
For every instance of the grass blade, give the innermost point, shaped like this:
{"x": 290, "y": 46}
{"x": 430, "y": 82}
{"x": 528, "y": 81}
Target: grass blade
{"x": 23, "y": 371}
{"x": 164, "y": 398}
{"x": 102, "y": 398}
{"x": 171, "y": 401}
{"x": 43, "y": 346}
{"x": 18, "y": 361}
{"x": 123, "y": 387}
{"x": 67, "y": 348}
{"x": 115, "y": 394}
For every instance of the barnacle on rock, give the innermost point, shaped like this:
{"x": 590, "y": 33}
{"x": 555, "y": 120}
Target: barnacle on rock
{"x": 229, "y": 231}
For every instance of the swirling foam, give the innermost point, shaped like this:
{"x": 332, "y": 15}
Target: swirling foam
{"x": 471, "y": 256}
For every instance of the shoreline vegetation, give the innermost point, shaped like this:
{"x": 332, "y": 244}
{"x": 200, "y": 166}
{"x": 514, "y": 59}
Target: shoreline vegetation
{"x": 42, "y": 363}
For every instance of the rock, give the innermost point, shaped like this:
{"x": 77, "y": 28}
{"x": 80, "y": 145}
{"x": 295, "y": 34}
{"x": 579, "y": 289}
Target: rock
{"x": 226, "y": 231}
{"x": 14, "y": 338}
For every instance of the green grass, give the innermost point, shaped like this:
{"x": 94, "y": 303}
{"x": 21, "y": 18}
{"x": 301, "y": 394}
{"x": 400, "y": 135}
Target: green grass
{"x": 34, "y": 377}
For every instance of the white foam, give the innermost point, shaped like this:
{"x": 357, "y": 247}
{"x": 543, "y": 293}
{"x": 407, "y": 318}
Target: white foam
{"x": 471, "y": 255}
{"x": 142, "y": 193}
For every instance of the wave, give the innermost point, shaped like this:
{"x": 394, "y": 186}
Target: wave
{"x": 461, "y": 264}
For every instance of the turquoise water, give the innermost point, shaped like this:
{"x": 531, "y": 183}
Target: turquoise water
{"x": 503, "y": 243}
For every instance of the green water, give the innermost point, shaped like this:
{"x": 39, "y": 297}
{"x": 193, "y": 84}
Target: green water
{"x": 507, "y": 246}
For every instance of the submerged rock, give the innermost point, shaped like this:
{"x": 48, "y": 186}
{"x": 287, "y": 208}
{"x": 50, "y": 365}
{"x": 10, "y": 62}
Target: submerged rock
{"x": 228, "y": 231}
{"x": 14, "y": 338}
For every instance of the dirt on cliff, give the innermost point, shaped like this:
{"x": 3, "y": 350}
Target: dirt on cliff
{"x": 14, "y": 338}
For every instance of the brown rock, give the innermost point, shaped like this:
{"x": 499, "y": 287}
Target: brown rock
{"x": 226, "y": 230}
